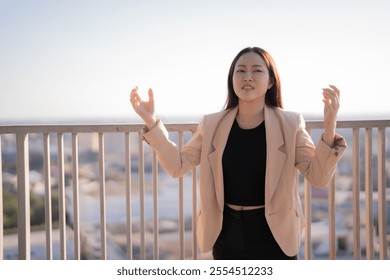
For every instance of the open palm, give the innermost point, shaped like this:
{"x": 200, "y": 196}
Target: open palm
{"x": 145, "y": 109}
{"x": 332, "y": 104}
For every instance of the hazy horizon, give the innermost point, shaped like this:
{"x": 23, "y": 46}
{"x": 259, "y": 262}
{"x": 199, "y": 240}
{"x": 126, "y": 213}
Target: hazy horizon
{"x": 80, "y": 60}
{"x": 193, "y": 118}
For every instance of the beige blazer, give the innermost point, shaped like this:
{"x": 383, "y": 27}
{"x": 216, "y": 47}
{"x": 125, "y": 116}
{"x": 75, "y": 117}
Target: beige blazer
{"x": 289, "y": 146}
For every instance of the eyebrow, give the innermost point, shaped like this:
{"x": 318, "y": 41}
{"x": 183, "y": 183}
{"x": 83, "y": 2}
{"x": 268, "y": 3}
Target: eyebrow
{"x": 255, "y": 65}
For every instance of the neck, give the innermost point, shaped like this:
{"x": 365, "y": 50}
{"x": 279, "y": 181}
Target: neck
{"x": 250, "y": 115}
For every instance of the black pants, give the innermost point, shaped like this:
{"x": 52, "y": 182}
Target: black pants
{"x": 245, "y": 235}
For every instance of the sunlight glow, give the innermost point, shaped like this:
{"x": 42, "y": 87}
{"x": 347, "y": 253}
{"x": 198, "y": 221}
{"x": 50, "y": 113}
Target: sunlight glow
{"x": 62, "y": 60}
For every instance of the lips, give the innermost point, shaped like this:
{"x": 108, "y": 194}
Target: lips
{"x": 247, "y": 87}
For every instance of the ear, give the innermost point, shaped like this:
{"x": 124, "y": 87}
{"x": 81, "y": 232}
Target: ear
{"x": 270, "y": 82}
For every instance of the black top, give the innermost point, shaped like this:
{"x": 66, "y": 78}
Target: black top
{"x": 244, "y": 164}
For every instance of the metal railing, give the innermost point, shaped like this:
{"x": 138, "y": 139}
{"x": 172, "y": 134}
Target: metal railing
{"x": 376, "y": 242}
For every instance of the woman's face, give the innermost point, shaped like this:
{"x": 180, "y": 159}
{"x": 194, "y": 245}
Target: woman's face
{"x": 251, "y": 78}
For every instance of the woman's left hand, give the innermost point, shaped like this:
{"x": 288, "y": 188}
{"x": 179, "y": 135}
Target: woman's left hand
{"x": 331, "y": 108}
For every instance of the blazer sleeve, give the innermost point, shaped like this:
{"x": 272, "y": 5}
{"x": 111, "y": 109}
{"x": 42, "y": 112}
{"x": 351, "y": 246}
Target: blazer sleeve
{"x": 317, "y": 163}
{"x": 176, "y": 162}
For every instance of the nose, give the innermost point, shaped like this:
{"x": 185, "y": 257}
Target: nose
{"x": 248, "y": 77}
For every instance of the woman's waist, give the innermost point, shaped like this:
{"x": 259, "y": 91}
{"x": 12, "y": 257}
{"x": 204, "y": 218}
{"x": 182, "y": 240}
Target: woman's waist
{"x": 243, "y": 208}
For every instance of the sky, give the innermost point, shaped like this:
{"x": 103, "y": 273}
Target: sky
{"x": 79, "y": 59}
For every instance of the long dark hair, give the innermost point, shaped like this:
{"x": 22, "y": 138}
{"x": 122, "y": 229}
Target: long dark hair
{"x": 273, "y": 96}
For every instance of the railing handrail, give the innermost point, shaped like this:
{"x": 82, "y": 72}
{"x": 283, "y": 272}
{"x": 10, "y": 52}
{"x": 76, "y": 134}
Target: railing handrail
{"x": 88, "y": 128}
{"x": 22, "y": 131}
{"x": 132, "y": 127}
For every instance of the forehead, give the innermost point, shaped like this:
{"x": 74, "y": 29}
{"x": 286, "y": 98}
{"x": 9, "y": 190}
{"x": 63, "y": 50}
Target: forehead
{"x": 250, "y": 59}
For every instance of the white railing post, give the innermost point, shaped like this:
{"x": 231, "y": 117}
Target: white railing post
{"x": 382, "y": 205}
{"x": 48, "y": 204}
{"x": 129, "y": 234}
{"x": 102, "y": 192}
{"x": 141, "y": 194}
{"x": 76, "y": 197}
{"x": 369, "y": 195}
{"x": 1, "y": 205}
{"x": 356, "y": 193}
{"x": 332, "y": 218}
{"x": 181, "y": 206}
{"x": 61, "y": 195}
{"x": 22, "y": 162}
{"x": 156, "y": 243}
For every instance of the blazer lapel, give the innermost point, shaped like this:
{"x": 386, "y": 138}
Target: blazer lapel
{"x": 276, "y": 153}
{"x": 221, "y": 134}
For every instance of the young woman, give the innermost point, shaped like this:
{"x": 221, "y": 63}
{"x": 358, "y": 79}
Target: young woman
{"x": 248, "y": 155}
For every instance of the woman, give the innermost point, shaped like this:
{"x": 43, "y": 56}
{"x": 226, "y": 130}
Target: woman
{"x": 248, "y": 154}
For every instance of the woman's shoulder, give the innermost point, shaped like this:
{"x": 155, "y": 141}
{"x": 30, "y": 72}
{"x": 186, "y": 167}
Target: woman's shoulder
{"x": 287, "y": 114}
{"x": 291, "y": 118}
{"x": 217, "y": 116}
{"x": 211, "y": 121}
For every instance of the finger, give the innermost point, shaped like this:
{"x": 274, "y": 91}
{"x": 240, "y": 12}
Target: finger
{"x": 335, "y": 89}
{"x": 326, "y": 102}
{"x": 134, "y": 97}
{"x": 332, "y": 97}
{"x": 328, "y": 90}
{"x": 330, "y": 100}
{"x": 151, "y": 95}
{"x": 329, "y": 93}
{"x": 134, "y": 89}
{"x": 133, "y": 93}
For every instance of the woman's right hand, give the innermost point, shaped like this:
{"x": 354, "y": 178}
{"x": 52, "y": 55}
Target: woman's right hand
{"x": 144, "y": 109}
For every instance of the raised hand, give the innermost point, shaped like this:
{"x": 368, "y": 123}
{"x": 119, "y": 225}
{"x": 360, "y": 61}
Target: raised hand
{"x": 144, "y": 109}
{"x": 331, "y": 107}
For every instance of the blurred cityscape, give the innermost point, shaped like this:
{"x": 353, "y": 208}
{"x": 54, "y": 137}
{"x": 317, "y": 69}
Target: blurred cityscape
{"x": 168, "y": 199}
